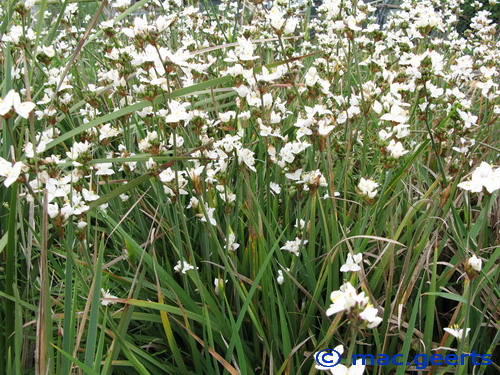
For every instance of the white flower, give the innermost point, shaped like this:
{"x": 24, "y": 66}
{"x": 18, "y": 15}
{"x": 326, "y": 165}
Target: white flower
{"x": 368, "y": 188}
{"x": 352, "y": 24}
{"x": 89, "y": 195}
{"x": 151, "y": 164}
{"x": 244, "y": 51}
{"x": 121, "y": 4}
{"x": 293, "y": 246}
{"x": 162, "y": 23}
{"x": 369, "y": 314}
{"x": 457, "y": 332}
{"x": 177, "y": 112}
{"x": 466, "y": 144}
{"x": 13, "y": 35}
{"x": 227, "y": 116}
{"x": 483, "y": 176}
{"x": 13, "y": 100}
{"x": 7, "y": 103}
{"x": 52, "y": 210}
{"x": 346, "y": 298}
{"x": 475, "y": 263}
{"x": 77, "y": 149}
{"x": 435, "y": 91}
{"x": 103, "y": 207}
{"x": 312, "y": 179}
{"x": 218, "y": 283}
{"x": 210, "y": 214}
{"x": 9, "y": 171}
{"x": 396, "y": 149}
{"x": 397, "y": 114}
{"x": 195, "y": 173}
{"x": 377, "y": 107}
{"x": 183, "y": 267}
{"x": 472, "y": 186}
{"x": 352, "y": 263}
{"x": 402, "y": 130}
{"x": 338, "y": 302}
{"x": 267, "y": 100}
{"x": 57, "y": 188}
{"x": 29, "y": 150}
{"x": 246, "y": 156}
{"x": 235, "y": 70}
{"x": 341, "y": 369}
{"x": 290, "y": 25}
{"x": 275, "y": 118}
{"x": 280, "y": 279}
{"x": 468, "y": 118}
{"x": 311, "y": 76}
{"x": 104, "y": 169}
{"x": 81, "y": 224}
{"x": 24, "y": 109}
{"x": 107, "y": 298}
{"x": 276, "y": 16}
{"x": 324, "y": 129}
{"x": 232, "y": 245}
{"x": 242, "y": 91}
{"x": 107, "y": 131}
{"x": 295, "y": 176}
{"x": 167, "y": 175}
{"x": 193, "y": 203}
{"x": 28, "y": 4}
{"x": 300, "y": 224}
{"x": 275, "y": 188}
{"x": 384, "y": 135}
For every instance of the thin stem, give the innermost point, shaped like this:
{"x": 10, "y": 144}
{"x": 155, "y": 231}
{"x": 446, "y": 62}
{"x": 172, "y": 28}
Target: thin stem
{"x": 352, "y": 345}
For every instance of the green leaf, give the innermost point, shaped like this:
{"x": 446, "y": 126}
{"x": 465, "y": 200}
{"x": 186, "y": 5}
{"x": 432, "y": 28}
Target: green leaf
{"x": 119, "y": 190}
{"x": 409, "y": 332}
{"x": 94, "y": 310}
{"x": 452, "y": 297}
{"x": 88, "y": 370}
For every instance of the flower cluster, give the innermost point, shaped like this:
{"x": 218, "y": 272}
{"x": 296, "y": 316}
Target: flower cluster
{"x": 357, "y": 306}
{"x": 228, "y": 124}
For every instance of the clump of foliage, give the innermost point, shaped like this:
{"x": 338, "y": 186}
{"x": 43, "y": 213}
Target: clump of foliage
{"x": 231, "y": 188}
{"x": 470, "y": 9}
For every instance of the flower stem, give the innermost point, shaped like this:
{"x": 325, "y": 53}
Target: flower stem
{"x": 352, "y": 345}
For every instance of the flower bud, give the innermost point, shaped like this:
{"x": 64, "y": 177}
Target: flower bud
{"x": 473, "y": 267}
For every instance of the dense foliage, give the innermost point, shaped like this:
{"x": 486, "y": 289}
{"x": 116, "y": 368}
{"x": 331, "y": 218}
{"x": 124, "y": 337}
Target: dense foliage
{"x": 231, "y": 188}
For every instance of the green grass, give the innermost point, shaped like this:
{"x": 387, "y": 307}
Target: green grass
{"x": 416, "y": 235}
